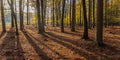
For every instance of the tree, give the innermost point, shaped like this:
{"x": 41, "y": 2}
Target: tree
{"x": 44, "y": 12}
{"x": 21, "y": 14}
{"x": 11, "y": 4}
{"x": 57, "y": 13}
{"x": 40, "y": 20}
{"x": 93, "y": 14}
{"x": 73, "y": 15}
{"x": 70, "y": 11}
{"x": 106, "y": 9}
{"x": 2, "y": 17}
{"x": 89, "y": 17}
{"x": 38, "y": 14}
{"x": 85, "y": 33}
{"x": 62, "y": 20}
{"x": 53, "y": 15}
{"x": 28, "y": 22}
{"x": 42, "y": 16}
{"x": 99, "y": 31}
{"x": 80, "y": 22}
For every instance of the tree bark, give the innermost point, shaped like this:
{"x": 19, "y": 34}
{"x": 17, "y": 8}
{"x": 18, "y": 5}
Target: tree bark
{"x": 21, "y": 14}
{"x": 99, "y": 31}
{"x": 63, "y": 10}
{"x": 73, "y": 15}
{"x": 2, "y": 17}
{"x": 85, "y": 34}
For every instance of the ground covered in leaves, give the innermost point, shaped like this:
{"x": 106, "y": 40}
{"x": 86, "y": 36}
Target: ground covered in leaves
{"x": 54, "y": 45}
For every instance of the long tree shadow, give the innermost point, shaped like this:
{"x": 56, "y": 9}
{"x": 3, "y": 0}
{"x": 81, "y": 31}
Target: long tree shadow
{"x": 11, "y": 47}
{"x": 39, "y": 51}
{"x": 40, "y": 42}
{"x": 62, "y": 38}
{"x": 19, "y": 51}
{"x": 2, "y": 34}
{"x": 71, "y": 33}
{"x": 76, "y": 50}
{"x": 74, "y": 33}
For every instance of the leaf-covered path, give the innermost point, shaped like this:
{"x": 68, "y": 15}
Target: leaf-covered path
{"x": 54, "y": 45}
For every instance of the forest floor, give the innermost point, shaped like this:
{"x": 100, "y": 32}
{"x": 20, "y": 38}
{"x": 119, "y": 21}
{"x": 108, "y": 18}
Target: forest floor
{"x": 54, "y": 45}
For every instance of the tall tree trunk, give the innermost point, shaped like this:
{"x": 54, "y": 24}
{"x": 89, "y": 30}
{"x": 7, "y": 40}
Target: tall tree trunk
{"x": 70, "y": 12}
{"x": 11, "y": 4}
{"x": 93, "y": 13}
{"x": 2, "y": 17}
{"x": 38, "y": 14}
{"x": 73, "y": 15}
{"x": 106, "y": 17}
{"x": 99, "y": 32}
{"x": 57, "y": 13}
{"x": 40, "y": 21}
{"x": 12, "y": 21}
{"x": 63, "y": 10}
{"x": 80, "y": 22}
{"x": 28, "y": 22}
{"x": 15, "y": 16}
{"x": 89, "y": 17}
{"x": 16, "y": 25}
{"x": 85, "y": 34}
{"x": 44, "y": 11}
{"x": 53, "y": 15}
{"x": 21, "y": 14}
{"x": 42, "y": 16}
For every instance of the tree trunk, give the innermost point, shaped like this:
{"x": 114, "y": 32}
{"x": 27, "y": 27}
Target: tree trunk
{"x": 42, "y": 16}
{"x": 73, "y": 15}
{"x": 99, "y": 32}
{"x": 70, "y": 12}
{"x": 2, "y": 17}
{"x": 85, "y": 34}
{"x": 93, "y": 13}
{"x": 21, "y": 14}
{"x": 106, "y": 9}
{"x": 38, "y": 14}
{"x": 53, "y": 15}
{"x": 89, "y": 17}
{"x": 63, "y": 10}
{"x": 28, "y": 22}
{"x": 80, "y": 22}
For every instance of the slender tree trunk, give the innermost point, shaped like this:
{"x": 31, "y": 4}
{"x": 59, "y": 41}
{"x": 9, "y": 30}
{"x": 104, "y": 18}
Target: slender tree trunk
{"x": 21, "y": 14}
{"x": 42, "y": 16}
{"x": 53, "y": 15}
{"x": 70, "y": 12}
{"x": 44, "y": 11}
{"x": 41, "y": 28}
{"x": 12, "y": 21}
{"x": 57, "y": 14}
{"x": 15, "y": 16}
{"x": 38, "y": 14}
{"x": 85, "y": 34}
{"x": 2, "y": 17}
{"x": 28, "y": 12}
{"x": 73, "y": 15}
{"x": 89, "y": 17}
{"x": 16, "y": 25}
{"x": 106, "y": 17}
{"x": 63, "y": 10}
{"x": 80, "y": 22}
{"x": 93, "y": 13}
{"x": 99, "y": 32}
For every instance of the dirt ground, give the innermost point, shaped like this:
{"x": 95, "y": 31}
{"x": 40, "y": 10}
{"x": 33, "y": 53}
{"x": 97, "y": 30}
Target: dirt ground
{"x": 54, "y": 45}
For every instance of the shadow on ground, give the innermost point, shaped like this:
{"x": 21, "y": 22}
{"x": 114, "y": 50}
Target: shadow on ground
{"x": 39, "y": 51}
{"x": 11, "y": 47}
